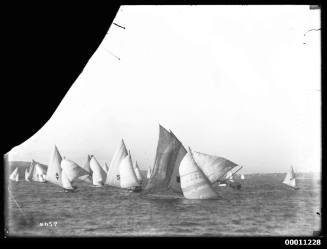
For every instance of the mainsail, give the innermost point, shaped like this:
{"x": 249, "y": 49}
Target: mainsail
{"x": 54, "y": 168}
{"x": 14, "y": 176}
{"x": 213, "y": 167}
{"x": 194, "y": 183}
{"x": 72, "y": 170}
{"x": 113, "y": 172}
{"x": 66, "y": 183}
{"x": 128, "y": 178}
{"x": 138, "y": 172}
{"x": 290, "y": 178}
{"x": 98, "y": 173}
{"x": 164, "y": 173}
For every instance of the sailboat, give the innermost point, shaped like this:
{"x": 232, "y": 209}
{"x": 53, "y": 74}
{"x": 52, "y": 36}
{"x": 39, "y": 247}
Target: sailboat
{"x": 242, "y": 177}
{"x": 214, "y": 167}
{"x": 72, "y": 170}
{"x": 14, "y": 176}
{"x": 289, "y": 179}
{"x": 113, "y": 175}
{"x": 128, "y": 178}
{"x": 165, "y": 174}
{"x": 55, "y": 174}
{"x": 98, "y": 173}
{"x": 138, "y": 172}
{"x": 194, "y": 183}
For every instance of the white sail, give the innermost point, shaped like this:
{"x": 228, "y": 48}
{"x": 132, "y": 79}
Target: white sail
{"x": 194, "y": 183}
{"x": 242, "y": 177}
{"x": 72, "y": 170}
{"x": 128, "y": 178}
{"x": 26, "y": 175}
{"x": 290, "y": 178}
{"x": 38, "y": 175}
{"x": 113, "y": 177}
{"x": 14, "y": 176}
{"x": 98, "y": 173}
{"x": 138, "y": 172}
{"x": 54, "y": 168}
{"x": 213, "y": 167}
{"x": 164, "y": 173}
{"x": 148, "y": 175}
{"x": 66, "y": 183}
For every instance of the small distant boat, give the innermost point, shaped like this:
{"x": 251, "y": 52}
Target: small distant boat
{"x": 289, "y": 179}
{"x": 242, "y": 177}
{"x": 14, "y": 176}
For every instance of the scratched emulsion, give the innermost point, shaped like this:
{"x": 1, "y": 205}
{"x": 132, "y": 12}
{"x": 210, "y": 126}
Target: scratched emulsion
{"x": 263, "y": 206}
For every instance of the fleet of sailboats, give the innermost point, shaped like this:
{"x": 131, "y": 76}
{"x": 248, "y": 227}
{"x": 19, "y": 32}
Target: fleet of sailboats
{"x": 186, "y": 172}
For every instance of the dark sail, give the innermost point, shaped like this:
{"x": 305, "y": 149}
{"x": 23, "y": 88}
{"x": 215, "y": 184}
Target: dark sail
{"x": 168, "y": 156}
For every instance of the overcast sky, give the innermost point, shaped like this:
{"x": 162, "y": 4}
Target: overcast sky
{"x": 242, "y": 82}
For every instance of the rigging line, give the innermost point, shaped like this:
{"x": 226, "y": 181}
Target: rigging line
{"x": 111, "y": 53}
{"x": 119, "y": 26}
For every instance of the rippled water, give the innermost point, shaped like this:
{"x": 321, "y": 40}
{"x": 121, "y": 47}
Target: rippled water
{"x": 263, "y": 206}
